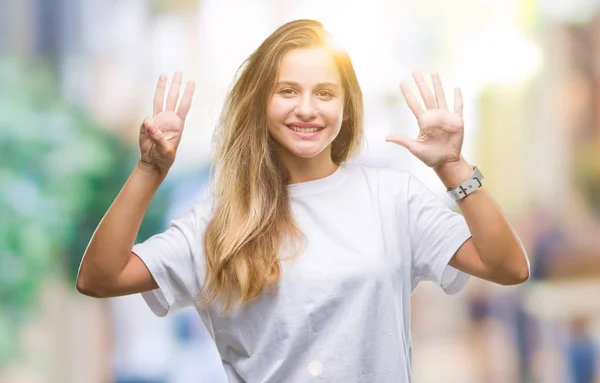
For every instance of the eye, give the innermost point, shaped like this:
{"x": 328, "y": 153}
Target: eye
{"x": 325, "y": 94}
{"x": 287, "y": 92}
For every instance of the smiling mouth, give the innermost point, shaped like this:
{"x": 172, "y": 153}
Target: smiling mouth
{"x": 304, "y": 130}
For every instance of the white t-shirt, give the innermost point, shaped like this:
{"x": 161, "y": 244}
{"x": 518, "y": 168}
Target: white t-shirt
{"x": 342, "y": 310}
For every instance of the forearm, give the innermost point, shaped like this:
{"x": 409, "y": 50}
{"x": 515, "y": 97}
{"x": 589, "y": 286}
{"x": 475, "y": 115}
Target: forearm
{"x": 496, "y": 242}
{"x": 110, "y": 246}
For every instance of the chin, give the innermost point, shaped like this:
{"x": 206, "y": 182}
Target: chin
{"x": 307, "y": 152}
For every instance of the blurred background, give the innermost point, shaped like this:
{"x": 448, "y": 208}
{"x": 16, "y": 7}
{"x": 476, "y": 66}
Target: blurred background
{"x": 77, "y": 78}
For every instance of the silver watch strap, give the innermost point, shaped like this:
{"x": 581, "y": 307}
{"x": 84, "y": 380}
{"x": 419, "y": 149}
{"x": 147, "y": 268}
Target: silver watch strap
{"x": 467, "y": 187}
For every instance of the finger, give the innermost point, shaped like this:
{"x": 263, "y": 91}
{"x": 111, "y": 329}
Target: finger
{"x": 424, "y": 90}
{"x": 440, "y": 96}
{"x": 186, "y": 100}
{"x": 155, "y": 134}
{"x": 173, "y": 95}
{"x": 458, "y": 102}
{"x": 159, "y": 95}
{"x": 411, "y": 100}
{"x": 147, "y": 121}
{"x": 402, "y": 140}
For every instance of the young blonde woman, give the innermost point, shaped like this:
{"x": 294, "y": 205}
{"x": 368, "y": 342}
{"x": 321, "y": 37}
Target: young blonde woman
{"x": 301, "y": 265}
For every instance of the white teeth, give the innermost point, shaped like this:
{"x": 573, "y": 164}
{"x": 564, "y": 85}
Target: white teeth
{"x": 303, "y": 130}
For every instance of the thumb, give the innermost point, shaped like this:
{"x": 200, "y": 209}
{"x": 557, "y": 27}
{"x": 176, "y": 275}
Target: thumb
{"x": 154, "y": 132}
{"x": 402, "y": 140}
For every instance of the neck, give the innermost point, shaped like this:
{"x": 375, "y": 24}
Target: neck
{"x": 308, "y": 169}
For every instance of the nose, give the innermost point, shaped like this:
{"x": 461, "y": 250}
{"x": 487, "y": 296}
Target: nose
{"x": 306, "y": 109}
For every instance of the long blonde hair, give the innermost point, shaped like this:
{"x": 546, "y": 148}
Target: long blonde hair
{"x": 253, "y": 216}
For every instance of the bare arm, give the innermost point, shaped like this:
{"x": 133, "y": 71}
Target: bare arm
{"x": 109, "y": 268}
{"x": 494, "y": 252}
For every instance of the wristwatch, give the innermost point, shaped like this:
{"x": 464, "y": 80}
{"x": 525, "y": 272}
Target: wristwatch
{"x": 467, "y": 187}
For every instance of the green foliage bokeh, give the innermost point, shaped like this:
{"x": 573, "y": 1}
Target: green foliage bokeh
{"x": 59, "y": 173}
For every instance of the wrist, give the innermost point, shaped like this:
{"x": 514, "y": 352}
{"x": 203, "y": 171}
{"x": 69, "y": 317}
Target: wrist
{"x": 455, "y": 173}
{"x": 150, "y": 170}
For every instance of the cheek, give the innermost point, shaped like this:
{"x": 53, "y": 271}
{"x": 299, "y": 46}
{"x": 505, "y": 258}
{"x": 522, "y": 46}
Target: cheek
{"x": 334, "y": 113}
{"x": 278, "y": 109}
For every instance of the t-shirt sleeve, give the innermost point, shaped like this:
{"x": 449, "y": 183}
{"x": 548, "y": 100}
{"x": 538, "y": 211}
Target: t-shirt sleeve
{"x": 436, "y": 234}
{"x": 176, "y": 261}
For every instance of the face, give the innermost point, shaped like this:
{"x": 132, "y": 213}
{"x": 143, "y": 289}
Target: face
{"x": 306, "y": 110}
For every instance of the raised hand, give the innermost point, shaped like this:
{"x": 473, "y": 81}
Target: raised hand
{"x": 160, "y": 133}
{"x": 441, "y": 131}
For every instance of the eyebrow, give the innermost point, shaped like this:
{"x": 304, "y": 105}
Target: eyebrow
{"x": 319, "y": 85}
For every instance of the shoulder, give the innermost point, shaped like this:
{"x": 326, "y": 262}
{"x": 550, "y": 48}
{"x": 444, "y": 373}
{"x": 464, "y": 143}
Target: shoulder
{"x": 204, "y": 207}
{"x": 197, "y": 214}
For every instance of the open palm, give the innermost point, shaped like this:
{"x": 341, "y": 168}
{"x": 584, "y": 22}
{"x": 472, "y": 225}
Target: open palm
{"x": 441, "y": 132}
{"x": 161, "y": 133}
